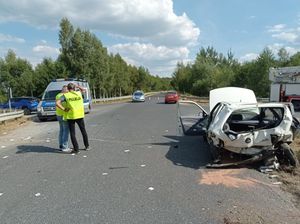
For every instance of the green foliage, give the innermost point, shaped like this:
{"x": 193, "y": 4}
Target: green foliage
{"x": 212, "y": 70}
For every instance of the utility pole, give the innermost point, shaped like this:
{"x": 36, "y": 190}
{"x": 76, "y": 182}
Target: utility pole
{"x": 9, "y": 97}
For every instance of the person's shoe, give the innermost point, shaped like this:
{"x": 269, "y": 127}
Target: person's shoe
{"x": 87, "y": 148}
{"x": 67, "y": 150}
{"x": 75, "y": 151}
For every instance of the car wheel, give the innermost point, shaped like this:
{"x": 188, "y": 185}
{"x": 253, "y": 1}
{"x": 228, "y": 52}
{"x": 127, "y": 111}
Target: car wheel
{"x": 290, "y": 155}
{"x": 26, "y": 111}
{"x": 42, "y": 119}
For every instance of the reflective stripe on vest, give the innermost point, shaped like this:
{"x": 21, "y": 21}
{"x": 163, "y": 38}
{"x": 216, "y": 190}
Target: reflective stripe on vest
{"x": 74, "y": 102}
{"x": 59, "y": 112}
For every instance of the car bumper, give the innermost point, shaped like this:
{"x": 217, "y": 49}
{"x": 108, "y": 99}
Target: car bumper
{"x": 138, "y": 100}
{"x": 47, "y": 114}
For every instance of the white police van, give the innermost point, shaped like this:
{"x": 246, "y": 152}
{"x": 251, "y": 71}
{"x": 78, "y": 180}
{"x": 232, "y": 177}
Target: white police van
{"x": 46, "y": 108}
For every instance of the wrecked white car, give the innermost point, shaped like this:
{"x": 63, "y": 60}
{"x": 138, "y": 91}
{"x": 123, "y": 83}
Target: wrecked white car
{"x": 238, "y": 124}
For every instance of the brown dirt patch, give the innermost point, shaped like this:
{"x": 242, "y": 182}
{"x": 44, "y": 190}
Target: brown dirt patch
{"x": 13, "y": 124}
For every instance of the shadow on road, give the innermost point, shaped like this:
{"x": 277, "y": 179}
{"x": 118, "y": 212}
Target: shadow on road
{"x": 187, "y": 151}
{"x": 35, "y": 148}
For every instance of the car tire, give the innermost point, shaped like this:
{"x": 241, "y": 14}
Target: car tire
{"x": 42, "y": 119}
{"x": 26, "y": 111}
{"x": 290, "y": 155}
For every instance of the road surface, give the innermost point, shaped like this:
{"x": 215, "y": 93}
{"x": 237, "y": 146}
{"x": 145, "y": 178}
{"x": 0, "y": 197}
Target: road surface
{"x": 140, "y": 170}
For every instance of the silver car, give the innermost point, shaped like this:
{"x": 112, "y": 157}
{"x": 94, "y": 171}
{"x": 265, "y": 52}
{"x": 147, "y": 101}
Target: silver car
{"x": 138, "y": 96}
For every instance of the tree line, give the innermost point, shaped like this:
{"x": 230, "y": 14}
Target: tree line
{"x": 212, "y": 70}
{"x": 82, "y": 56}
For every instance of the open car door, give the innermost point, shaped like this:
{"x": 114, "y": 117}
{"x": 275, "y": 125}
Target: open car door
{"x": 193, "y": 117}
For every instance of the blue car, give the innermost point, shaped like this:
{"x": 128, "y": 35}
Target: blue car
{"x": 28, "y": 104}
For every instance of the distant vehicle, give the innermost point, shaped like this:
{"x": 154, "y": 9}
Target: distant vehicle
{"x": 171, "y": 97}
{"x": 28, "y": 104}
{"x": 46, "y": 107}
{"x": 239, "y": 125}
{"x": 138, "y": 96}
{"x": 285, "y": 86}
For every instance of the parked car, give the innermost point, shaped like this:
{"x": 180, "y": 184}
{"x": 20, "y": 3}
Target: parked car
{"x": 138, "y": 96}
{"x": 261, "y": 132}
{"x": 171, "y": 97}
{"x": 28, "y": 104}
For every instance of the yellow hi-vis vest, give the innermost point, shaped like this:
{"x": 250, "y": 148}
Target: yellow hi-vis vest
{"x": 74, "y": 102}
{"x": 59, "y": 112}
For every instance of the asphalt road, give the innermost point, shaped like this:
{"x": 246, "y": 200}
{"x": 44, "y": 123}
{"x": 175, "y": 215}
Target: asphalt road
{"x": 141, "y": 169}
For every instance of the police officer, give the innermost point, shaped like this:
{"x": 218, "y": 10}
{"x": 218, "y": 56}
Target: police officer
{"x": 63, "y": 136}
{"x": 74, "y": 114}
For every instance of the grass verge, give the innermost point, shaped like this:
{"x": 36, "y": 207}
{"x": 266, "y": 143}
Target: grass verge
{"x": 290, "y": 177}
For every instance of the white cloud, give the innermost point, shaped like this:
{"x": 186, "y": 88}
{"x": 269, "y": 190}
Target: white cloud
{"x": 248, "y": 57}
{"x": 9, "y": 38}
{"x": 160, "y": 59}
{"x": 276, "y": 28}
{"x": 149, "y": 21}
{"x": 289, "y": 37}
{"x": 277, "y": 46}
{"x": 46, "y": 51}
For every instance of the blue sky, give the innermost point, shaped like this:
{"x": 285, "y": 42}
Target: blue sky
{"x": 157, "y": 33}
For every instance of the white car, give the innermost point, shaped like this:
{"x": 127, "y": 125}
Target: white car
{"x": 240, "y": 125}
{"x": 138, "y": 96}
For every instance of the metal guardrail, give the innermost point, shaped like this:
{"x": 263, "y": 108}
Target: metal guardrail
{"x": 129, "y": 97}
{"x": 11, "y": 115}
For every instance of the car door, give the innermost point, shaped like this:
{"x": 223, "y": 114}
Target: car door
{"x": 192, "y": 117}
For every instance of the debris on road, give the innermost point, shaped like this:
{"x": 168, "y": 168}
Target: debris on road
{"x": 37, "y": 194}
{"x": 104, "y": 174}
{"x": 143, "y": 165}
{"x": 3, "y": 146}
{"x": 27, "y": 138}
{"x": 150, "y": 188}
{"x": 4, "y": 157}
{"x": 277, "y": 183}
{"x": 127, "y": 150}
{"x": 48, "y": 140}
{"x": 149, "y": 146}
{"x": 273, "y": 176}
{"x": 85, "y": 156}
{"x": 1, "y": 194}
{"x": 11, "y": 140}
